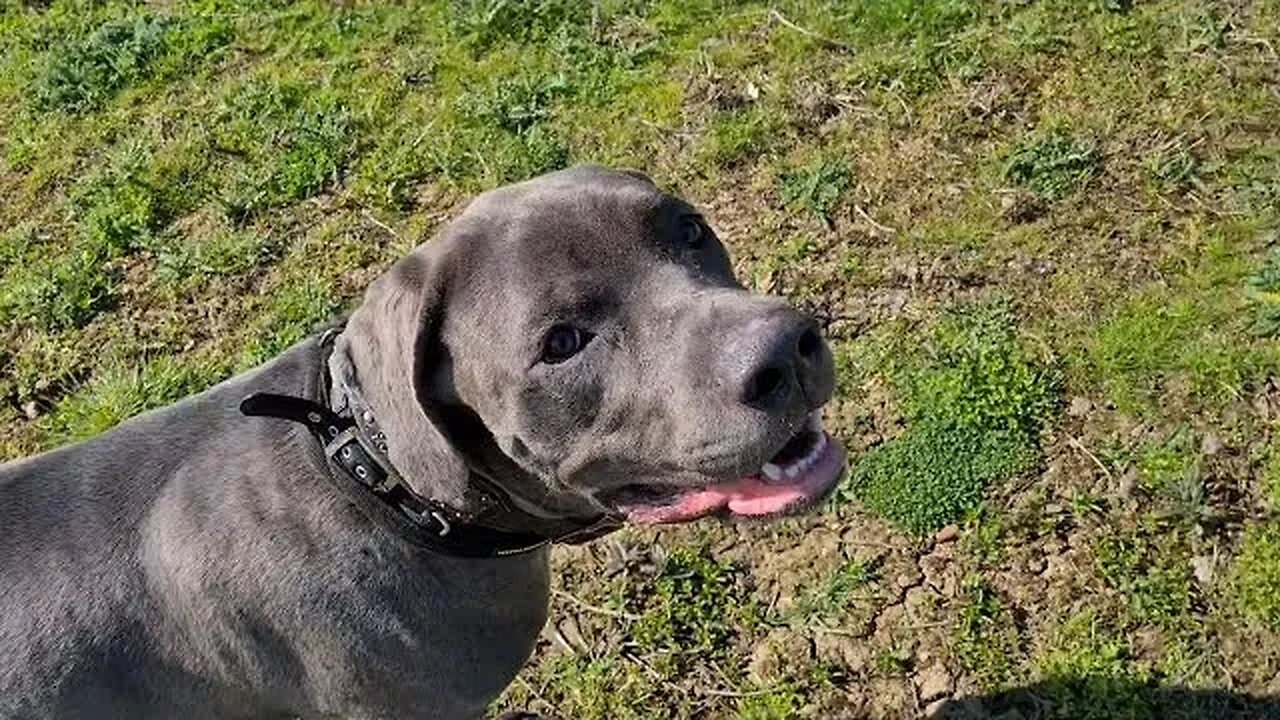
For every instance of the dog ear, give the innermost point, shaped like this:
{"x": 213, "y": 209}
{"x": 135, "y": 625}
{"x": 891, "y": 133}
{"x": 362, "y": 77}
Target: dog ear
{"x": 388, "y": 353}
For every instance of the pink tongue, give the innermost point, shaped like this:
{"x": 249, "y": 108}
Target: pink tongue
{"x": 748, "y": 496}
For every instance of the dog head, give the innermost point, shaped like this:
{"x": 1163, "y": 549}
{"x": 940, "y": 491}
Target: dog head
{"x": 581, "y": 340}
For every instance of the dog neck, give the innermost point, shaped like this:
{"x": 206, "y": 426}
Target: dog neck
{"x": 480, "y": 499}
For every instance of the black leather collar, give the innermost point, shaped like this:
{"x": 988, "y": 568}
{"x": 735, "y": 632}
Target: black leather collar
{"x": 356, "y": 451}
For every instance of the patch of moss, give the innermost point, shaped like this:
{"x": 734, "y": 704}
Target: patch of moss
{"x": 975, "y": 401}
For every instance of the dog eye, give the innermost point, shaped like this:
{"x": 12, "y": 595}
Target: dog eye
{"x": 692, "y": 232}
{"x": 562, "y": 343}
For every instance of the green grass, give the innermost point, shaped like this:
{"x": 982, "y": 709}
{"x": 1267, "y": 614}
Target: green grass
{"x": 1264, "y": 291}
{"x": 987, "y": 643}
{"x": 1154, "y": 581}
{"x": 1256, "y": 578}
{"x": 998, "y": 210}
{"x": 292, "y": 313}
{"x": 1088, "y": 673}
{"x": 122, "y": 393}
{"x": 833, "y": 597}
{"x": 816, "y": 187}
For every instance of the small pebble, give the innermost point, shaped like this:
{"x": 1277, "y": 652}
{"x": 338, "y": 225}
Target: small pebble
{"x": 947, "y": 534}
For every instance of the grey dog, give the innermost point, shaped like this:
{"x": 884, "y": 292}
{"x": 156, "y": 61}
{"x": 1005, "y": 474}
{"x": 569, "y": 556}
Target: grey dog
{"x": 360, "y": 527}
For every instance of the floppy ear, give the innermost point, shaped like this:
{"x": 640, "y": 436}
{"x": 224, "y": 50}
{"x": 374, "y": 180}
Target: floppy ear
{"x": 387, "y": 354}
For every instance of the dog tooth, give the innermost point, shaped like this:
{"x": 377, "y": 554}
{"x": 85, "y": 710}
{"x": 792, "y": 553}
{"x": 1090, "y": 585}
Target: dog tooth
{"x": 792, "y": 471}
{"x": 771, "y": 471}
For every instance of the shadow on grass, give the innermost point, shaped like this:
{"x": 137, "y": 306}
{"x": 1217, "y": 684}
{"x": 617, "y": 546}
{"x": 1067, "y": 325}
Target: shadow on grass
{"x": 1110, "y": 699}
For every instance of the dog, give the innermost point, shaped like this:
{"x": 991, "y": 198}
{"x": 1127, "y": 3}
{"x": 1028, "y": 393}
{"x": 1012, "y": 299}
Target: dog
{"x": 360, "y": 528}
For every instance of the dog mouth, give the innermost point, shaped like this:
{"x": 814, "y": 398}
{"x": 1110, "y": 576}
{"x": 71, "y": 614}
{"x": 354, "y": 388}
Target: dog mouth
{"x": 797, "y": 477}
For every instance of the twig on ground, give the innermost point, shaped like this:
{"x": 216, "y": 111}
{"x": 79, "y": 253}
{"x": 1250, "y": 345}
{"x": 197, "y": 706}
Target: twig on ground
{"x": 536, "y": 695}
{"x": 809, "y": 33}
{"x": 390, "y": 230}
{"x": 843, "y": 632}
{"x": 595, "y": 608}
{"x": 1080, "y": 446}
{"x": 863, "y": 214}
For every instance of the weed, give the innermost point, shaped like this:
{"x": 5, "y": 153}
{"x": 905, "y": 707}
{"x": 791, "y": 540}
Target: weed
{"x": 82, "y": 75}
{"x": 1151, "y": 572}
{"x": 293, "y": 140}
{"x": 485, "y": 23}
{"x": 1173, "y": 168}
{"x": 693, "y": 611}
{"x": 182, "y": 261}
{"x": 893, "y": 661}
{"x": 816, "y": 187}
{"x": 1256, "y": 574}
{"x": 834, "y": 595}
{"x": 1264, "y": 291}
{"x": 737, "y": 137}
{"x": 608, "y": 688}
{"x": 983, "y": 537}
{"x": 1162, "y": 465}
{"x": 58, "y": 293}
{"x": 780, "y": 704}
{"x": 1053, "y": 164}
{"x": 516, "y": 105}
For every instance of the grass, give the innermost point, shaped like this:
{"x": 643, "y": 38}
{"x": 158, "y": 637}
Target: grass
{"x": 987, "y": 643}
{"x": 1090, "y": 673}
{"x": 816, "y": 187}
{"x": 1043, "y": 238}
{"x": 123, "y": 392}
{"x": 836, "y": 593}
{"x": 1257, "y": 575}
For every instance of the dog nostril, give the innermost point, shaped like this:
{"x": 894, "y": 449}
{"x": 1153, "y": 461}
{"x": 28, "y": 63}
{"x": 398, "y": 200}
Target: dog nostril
{"x": 809, "y": 343}
{"x": 764, "y": 385}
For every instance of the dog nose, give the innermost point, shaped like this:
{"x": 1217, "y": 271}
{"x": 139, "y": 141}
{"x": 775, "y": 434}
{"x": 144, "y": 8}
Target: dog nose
{"x": 780, "y": 360}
